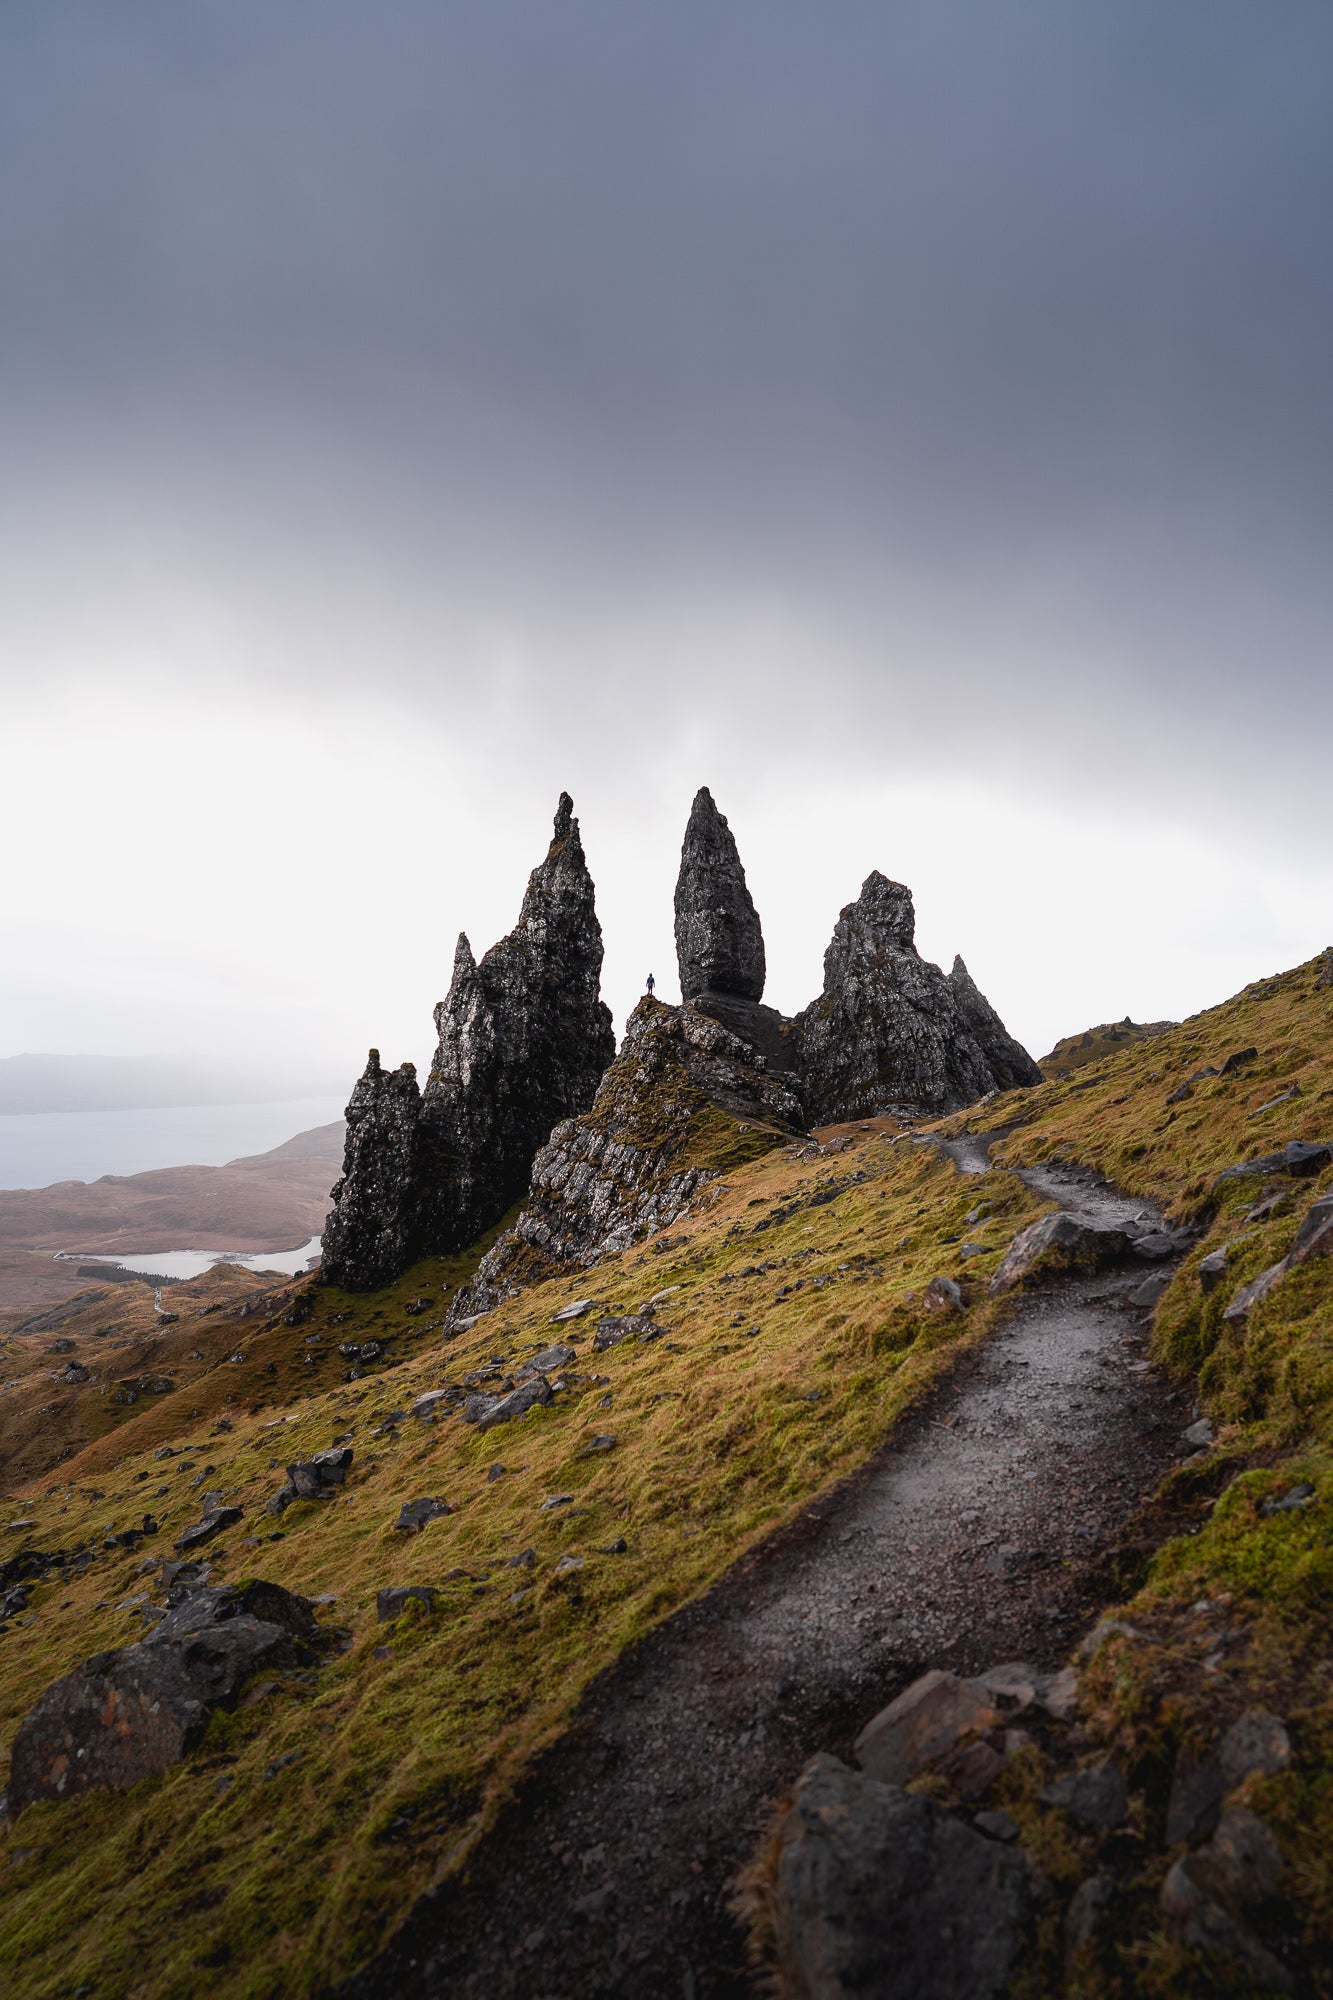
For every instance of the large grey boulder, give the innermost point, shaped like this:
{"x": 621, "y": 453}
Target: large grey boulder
{"x": 1058, "y": 1243}
{"x": 889, "y": 1028}
{"x": 719, "y": 944}
{"x": 882, "y": 1895}
{"x": 134, "y": 1712}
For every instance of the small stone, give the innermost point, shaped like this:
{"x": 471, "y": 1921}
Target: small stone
{"x": 1155, "y": 1245}
{"x": 943, "y": 1296}
{"x": 1057, "y": 1243}
{"x": 574, "y": 1311}
{"x": 1192, "y": 1915}
{"x": 567, "y": 1563}
{"x": 1199, "y": 1435}
{"x": 1088, "y": 1906}
{"x": 602, "y": 1442}
{"x": 1257, "y": 1743}
{"x": 1096, "y": 1797}
{"x": 619, "y": 1547}
{"x": 996, "y": 1825}
{"x": 550, "y": 1358}
{"x": 556, "y": 1500}
{"x": 213, "y": 1523}
{"x": 1149, "y": 1290}
{"x": 393, "y": 1600}
{"x": 414, "y": 1514}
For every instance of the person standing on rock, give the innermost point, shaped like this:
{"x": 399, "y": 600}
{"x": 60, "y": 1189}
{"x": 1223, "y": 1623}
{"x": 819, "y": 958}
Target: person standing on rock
{"x": 650, "y": 982}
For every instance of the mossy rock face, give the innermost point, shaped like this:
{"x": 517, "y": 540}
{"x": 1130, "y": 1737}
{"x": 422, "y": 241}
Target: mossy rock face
{"x": 684, "y": 1102}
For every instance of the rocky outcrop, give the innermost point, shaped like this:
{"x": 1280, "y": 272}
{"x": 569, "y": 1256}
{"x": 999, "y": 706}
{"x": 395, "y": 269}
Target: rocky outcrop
{"x": 878, "y": 1891}
{"x": 1010, "y": 1064}
{"x": 133, "y": 1713}
{"x": 369, "y": 1238}
{"x": 524, "y": 1038}
{"x": 889, "y": 1030}
{"x": 719, "y": 945}
{"x": 523, "y": 1041}
{"x": 683, "y": 1102}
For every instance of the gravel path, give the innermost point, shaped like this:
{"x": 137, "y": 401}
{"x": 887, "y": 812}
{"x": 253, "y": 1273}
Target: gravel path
{"x": 610, "y": 1873}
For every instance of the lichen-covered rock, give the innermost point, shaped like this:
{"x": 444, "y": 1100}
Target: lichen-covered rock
{"x": 888, "y": 1028}
{"x": 524, "y": 1039}
{"x": 1011, "y": 1065}
{"x": 719, "y": 945}
{"x": 369, "y": 1236}
{"x": 683, "y": 1102}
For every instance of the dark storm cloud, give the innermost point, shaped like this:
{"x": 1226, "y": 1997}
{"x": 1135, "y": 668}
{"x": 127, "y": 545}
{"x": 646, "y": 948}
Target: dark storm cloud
{"x": 1015, "y": 317}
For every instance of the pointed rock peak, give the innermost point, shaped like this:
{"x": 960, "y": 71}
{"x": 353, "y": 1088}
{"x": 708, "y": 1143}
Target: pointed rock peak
{"x": 889, "y": 904}
{"x": 563, "y": 878}
{"x": 373, "y": 1063}
{"x": 464, "y": 963}
{"x": 719, "y": 943}
{"x": 1009, "y": 1060}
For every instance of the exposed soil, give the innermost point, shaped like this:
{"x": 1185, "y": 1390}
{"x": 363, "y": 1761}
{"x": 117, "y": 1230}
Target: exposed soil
{"x": 976, "y": 1535}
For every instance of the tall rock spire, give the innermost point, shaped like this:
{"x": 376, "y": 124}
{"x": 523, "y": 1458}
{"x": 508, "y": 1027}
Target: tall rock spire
{"x": 1010, "y": 1062}
{"x": 368, "y": 1239}
{"x": 523, "y": 1040}
{"x": 719, "y": 945}
{"x": 887, "y": 1028}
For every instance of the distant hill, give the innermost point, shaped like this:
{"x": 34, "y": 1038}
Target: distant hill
{"x": 34, "y": 1083}
{"x": 1073, "y": 1051}
{"x": 270, "y": 1201}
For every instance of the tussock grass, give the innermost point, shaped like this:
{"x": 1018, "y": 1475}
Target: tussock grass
{"x": 220, "y": 1878}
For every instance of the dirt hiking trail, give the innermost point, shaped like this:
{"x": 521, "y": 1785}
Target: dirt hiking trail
{"x": 610, "y": 1873}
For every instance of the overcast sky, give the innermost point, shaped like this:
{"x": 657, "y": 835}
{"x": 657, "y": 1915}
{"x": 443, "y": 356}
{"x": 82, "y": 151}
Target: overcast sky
{"x": 912, "y": 420}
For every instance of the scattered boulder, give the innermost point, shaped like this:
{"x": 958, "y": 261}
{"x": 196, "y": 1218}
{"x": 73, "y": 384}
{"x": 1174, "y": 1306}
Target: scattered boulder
{"x": 1097, "y": 1797}
{"x": 393, "y": 1601}
{"x": 926, "y": 1721}
{"x": 214, "y": 1522}
{"x": 610, "y": 1332}
{"x": 878, "y": 1892}
{"x": 576, "y": 1310}
{"x": 943, "y": 1296}
{"x": 1147, "y": 1293}
{"x": 1059, "y": 1242}
{"x": 414, "y": 1514}
{"x": 316, "y": 1478}
{"x": 487, "y": 1411}
{"x": 74, "y": 1371}
{"x": 1314, "y": 1238}
{"x": 550, "y": 1358}
{"x": 1300, "y": 1158}
{"x": 1239, "y": 1060}
{"x": 1205, "y": 1892}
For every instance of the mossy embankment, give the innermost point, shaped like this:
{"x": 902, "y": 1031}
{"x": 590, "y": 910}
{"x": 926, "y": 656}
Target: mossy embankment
{"x": 279, "y": 1854}
{"x": 1230, "y": 1596}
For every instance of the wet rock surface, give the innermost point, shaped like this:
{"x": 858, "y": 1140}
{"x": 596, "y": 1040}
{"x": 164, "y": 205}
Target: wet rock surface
{"x": 719, "y": 944}
{"x": 979, "y": 1533}
{"x": 889, "y": 1028}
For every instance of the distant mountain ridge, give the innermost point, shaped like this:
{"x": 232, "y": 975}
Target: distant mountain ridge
{"x": 38, "y": 1083}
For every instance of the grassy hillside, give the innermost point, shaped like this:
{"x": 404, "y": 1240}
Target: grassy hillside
{"x": 1234, "y": 1612}
{"x": 792, "y": 1337}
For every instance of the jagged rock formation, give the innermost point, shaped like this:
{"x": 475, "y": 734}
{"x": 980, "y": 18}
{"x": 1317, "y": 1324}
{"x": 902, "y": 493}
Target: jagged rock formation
{"x": 369, "y": 1236}
{"x": 524, "y": 1038}
{"x": 719, "y": 945}
{"x": 683, "y": 1102}
{"x": 1011, "y": 1065}
{"x": 889, "y": 1029}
